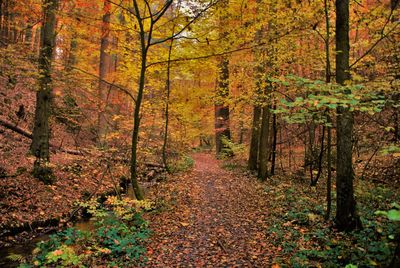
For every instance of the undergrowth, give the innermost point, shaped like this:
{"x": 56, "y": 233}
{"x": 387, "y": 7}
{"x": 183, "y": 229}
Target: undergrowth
{"x": 304, "y": 239}
{"x": 182, "y": 164}
{"x": 116, "y": 241}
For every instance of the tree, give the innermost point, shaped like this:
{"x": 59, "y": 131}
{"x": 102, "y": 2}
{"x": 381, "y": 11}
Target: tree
{"x": 104, "y": 69}
{"x": 346, "y": 215}
{"x": 41, "y": 131}
{"x": 222, "y": 129}
{"x": 147, "y": 19}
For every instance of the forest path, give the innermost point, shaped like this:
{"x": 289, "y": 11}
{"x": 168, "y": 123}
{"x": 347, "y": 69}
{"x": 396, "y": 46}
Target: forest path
{"x": 217, "y": 220}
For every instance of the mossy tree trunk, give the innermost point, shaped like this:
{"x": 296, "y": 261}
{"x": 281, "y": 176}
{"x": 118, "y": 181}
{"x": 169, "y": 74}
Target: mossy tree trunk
{"x": 41, "y": 131}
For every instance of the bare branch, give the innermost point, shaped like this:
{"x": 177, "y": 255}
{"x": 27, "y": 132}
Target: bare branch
{"x": 126, "y": 91}
{"x": 198, "y": 15}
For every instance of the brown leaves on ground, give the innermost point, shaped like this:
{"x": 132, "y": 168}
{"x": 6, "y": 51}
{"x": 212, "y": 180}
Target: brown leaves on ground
{"x": 217, "y": 220}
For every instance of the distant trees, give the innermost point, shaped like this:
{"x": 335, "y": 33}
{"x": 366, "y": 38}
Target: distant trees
{"x": 41, "y": 131}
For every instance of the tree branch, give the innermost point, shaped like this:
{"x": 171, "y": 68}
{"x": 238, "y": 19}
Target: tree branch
{"x": 126, "y": 91}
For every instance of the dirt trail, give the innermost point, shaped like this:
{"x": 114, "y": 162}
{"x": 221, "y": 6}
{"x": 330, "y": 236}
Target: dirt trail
{"x": 218, "y": 220}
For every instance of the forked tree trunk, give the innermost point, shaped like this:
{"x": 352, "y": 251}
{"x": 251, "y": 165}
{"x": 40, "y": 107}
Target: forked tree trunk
{"x": 41, "y": 132}
{"x": 346, "y": 215}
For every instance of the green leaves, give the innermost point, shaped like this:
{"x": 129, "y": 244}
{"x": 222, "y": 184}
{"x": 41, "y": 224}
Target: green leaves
{"x": 118, "y": 238}
{"x": 319, "y": 98}
{"x": 393, "y": 214}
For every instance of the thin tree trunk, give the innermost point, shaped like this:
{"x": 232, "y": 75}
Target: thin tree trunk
{"x": 5, "y": 22}
{"x": 320, "y": 158}
{"x": 274, "y": 140}
{"x": 36, "y": 42}
{"x": 168, "y": 91}
{"x": 222, "y": 128}
{"x": 222, "y": 124}
{"x": 28, "y": 36}
{"x": 104, "y": 69}
{"x": 346, "y": 216}
{"x": 41, "y": 131}
{"x": 329, "y": 176}
{"x": 264, "y": 149}
{"x": 329, "y": 121}
{"x": 136, "y": 123}
{"x": 1, "y": 21}
{"x": 255, "y": 138}
{"x": 71, "y": 60}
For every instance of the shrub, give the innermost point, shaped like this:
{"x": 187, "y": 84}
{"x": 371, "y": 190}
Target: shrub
{"x": 117, "y": 239}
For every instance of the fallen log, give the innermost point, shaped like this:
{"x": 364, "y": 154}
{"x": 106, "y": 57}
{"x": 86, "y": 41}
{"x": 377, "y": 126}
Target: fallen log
{"x": 29, "y": 136}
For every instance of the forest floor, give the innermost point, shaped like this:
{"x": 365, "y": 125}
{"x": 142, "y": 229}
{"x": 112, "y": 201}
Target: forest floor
{"x": 218, "y": 219}
{"x": 219, "y": 215}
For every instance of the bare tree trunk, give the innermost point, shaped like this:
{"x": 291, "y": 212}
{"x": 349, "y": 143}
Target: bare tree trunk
{"x": 36, "y": 42}
{"x": 71, "y": 58}
{"x": 222, "y": 128}
{"x": 5, "y": 22}
{"x": 104, "y": 69}
{"x": 329, "y": 121}
{"x": 346, "y": 215}
{"x": 255, "y": 138}
{"x": 168, "y": 91}
{"x": 1, "y": 21}
{"x": 222, "y": 124}
{"x": 274, "y": 141}
{"x": 329, "y": 176}
{"x": 41, "y": 131}
{"x": 320, "y": 158}
{"x": 28, "y": 35}
{"x": 264, "y": 149}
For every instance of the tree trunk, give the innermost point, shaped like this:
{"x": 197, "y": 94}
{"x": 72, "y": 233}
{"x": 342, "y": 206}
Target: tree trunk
{"x": 1, "y": 21}
{"x": 28, "y": 36}
{"x": 264, "y": 148}
{"x": 255, "y": 138}
{"x": 71, "y": 58}
{"x": 5, "y": 22}
{"x": 36, "y": 40}
{"x": 328, "y": 117}
{"x": 320, "y": 159}
{"x": 274, "y": 141}
{"x": 222, "y": 129}
{"x": 168, "y": 91}
{"x": 41, "y": 132}
{"x": 329, "y": 176}
{"x": 346, "y": 216}
{"x": 104, "y": 70}
{"x": 395, "y": 263}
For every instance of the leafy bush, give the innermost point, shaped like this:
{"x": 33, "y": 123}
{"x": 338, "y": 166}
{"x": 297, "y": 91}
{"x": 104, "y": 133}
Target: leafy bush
{"x": 117, "y": 239}
{"x": 308, "y": 241}
{"x": 182, "y": 164}
{"x": 230, "y": 148}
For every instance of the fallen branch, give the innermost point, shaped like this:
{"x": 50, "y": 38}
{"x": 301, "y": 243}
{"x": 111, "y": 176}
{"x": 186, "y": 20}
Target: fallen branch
{"x": 29, "y": 136}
